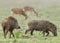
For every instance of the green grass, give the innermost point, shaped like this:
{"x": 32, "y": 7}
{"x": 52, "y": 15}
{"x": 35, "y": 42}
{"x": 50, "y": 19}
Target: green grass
{"x": 51, "y": 13}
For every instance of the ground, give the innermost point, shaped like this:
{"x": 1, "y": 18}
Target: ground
{"x": 50, "y": 13}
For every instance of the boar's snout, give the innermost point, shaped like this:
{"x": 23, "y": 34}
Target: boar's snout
{"x": 55, "y": 34}
{"x": 19, "y": 27}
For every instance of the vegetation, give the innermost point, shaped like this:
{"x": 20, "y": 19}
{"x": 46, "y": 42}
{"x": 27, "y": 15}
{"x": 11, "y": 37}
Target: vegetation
{"x": 51, "y": 13}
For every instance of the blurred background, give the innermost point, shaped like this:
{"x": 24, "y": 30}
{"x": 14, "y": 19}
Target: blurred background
{"x": 34, "y": 3}
{"x": 46, "y": 9}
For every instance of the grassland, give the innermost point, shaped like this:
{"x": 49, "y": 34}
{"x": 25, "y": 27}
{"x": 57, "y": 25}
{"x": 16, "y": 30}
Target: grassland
{"x": 51, "y": 13}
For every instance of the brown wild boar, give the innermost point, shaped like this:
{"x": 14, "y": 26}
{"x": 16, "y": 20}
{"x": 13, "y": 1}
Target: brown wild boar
{"x": 42, "y": 25}
{"x": 9, "y": 24}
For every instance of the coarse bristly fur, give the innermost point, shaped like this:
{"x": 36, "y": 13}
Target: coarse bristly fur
{"x": 42, "y": 25}
{"x": 9, "y": 24}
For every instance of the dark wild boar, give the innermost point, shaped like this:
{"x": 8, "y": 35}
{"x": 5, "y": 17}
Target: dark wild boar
{"x": 42, "y": 25}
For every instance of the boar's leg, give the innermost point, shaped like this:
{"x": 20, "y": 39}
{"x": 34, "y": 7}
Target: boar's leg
{"x": 27, "y": 31}
{"x": 47, "y": 33}
{"x": 43, "y": 33}
{"x": 32, "y": 32}
{"x": 6, "y": 31}
{"x": 11, "y": 33}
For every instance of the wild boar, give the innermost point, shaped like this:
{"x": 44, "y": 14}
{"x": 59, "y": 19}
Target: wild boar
{"x": 42, "y": 25}
{"x": 9, "y": 24}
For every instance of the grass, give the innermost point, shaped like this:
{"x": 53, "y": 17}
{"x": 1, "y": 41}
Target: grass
{"x": 51, "y": 13}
